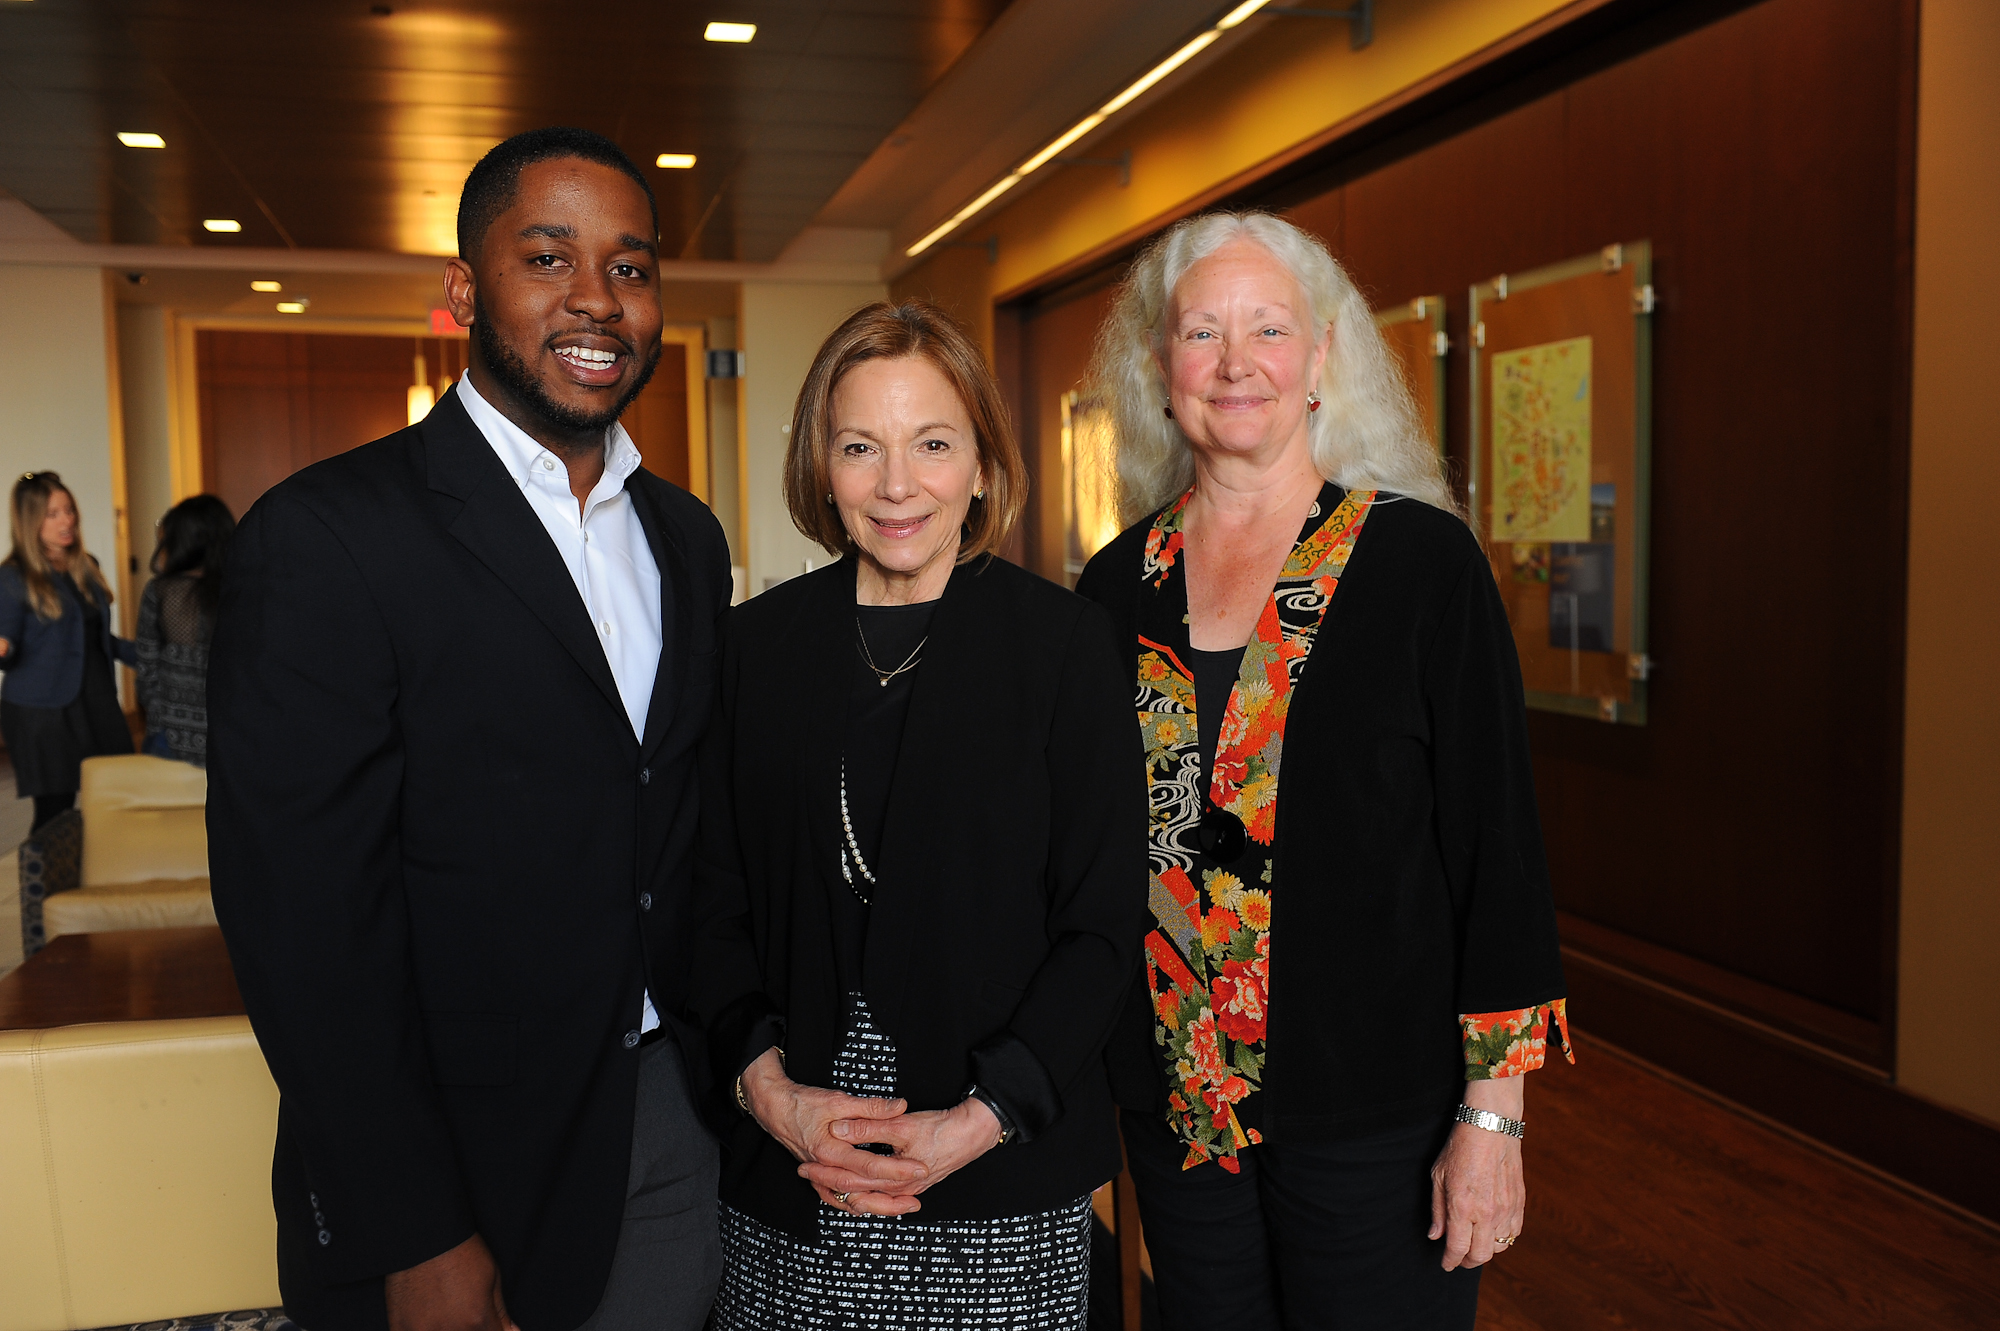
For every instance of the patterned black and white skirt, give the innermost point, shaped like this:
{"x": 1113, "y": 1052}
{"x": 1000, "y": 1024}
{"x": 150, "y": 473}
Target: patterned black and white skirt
{"x": 1029, "y": 1271}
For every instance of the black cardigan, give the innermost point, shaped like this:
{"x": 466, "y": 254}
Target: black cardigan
{"x": 1410, "y": 882}
{"x": 1011, "y": 902}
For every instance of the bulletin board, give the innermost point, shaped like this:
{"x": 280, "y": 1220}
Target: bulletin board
{"x": 1561, "y": 472}
{"x": 1416, "y": 338}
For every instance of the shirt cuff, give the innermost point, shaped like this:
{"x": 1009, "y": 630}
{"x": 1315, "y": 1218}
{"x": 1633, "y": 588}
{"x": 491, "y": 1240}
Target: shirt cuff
{"x": 1008, "y": 1070}
{"x": 1507, "y": 1044}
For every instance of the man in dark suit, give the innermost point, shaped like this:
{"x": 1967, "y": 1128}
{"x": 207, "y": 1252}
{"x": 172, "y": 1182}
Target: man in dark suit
{"x": 458, "y": 679}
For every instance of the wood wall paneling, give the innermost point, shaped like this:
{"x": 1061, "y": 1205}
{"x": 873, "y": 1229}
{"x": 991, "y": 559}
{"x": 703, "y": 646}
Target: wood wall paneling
{"x": 1751, "y": 826}
{"x": 657, "y": 420}
{"x": 1055, "y": 338}
{"x": 272, "y": 403}
{"x": 1727, "y": 873}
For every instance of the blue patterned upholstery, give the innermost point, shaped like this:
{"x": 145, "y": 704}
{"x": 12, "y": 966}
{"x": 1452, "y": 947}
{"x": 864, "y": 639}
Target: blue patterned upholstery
{"x": 51, "y": 862}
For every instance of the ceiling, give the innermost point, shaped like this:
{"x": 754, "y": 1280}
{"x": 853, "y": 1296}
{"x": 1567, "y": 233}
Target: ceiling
{"x": 333, "y": 124}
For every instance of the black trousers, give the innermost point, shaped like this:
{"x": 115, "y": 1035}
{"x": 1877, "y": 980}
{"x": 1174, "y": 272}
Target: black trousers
{"x": 1310, "y": 1236}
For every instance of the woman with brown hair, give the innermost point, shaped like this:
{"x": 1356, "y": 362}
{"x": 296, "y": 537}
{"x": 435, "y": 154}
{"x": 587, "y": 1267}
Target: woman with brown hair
{"x": 922, "y": 866}
{"x": 59, "y": 703}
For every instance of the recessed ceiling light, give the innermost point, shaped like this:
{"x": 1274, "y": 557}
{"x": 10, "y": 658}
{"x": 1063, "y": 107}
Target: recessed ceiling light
{"x": 135, "y": 139}
{"x": 226, "y": 225}
{"x": 267, "y": 286}
{"x": 729, "y": 32}
{"x": 291, "y": 307}
{"x": 679, "y": 161}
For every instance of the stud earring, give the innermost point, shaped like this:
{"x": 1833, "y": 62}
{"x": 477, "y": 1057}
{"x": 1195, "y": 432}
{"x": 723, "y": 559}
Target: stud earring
{"x": 1169, "y": 411}
{"x": 829, "y": 499}
{"x": 980, "y": 493}
{"x": 1312, "y": 401}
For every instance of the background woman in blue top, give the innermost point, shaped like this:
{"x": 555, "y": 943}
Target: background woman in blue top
{"x": 59, "y": 701}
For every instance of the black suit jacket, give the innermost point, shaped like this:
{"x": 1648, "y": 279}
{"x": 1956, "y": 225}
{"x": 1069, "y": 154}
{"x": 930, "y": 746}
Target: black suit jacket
{"x": 446, "y": 867}
{"x": 1011, "y": 899}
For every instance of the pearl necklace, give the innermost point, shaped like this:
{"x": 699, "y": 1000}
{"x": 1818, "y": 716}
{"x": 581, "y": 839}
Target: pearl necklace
{"x": 852, "y": 847}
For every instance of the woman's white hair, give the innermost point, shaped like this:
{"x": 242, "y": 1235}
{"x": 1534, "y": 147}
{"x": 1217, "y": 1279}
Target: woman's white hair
{"x": 1366, "y": 434}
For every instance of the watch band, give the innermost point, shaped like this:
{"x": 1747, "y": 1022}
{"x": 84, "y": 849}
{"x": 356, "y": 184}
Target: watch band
{"x": 974, "y": 1092}
{"x": 1492, "y": 1122}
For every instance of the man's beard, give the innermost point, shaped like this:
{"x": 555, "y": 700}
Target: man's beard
{"x": 513, "y": 373}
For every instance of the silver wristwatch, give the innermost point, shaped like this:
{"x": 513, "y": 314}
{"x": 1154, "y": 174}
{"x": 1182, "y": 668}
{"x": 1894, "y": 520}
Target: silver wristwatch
{"x": 1492, "y": 1122}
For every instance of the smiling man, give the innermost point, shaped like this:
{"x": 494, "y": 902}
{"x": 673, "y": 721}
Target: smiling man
{"x": 458, "y": 678}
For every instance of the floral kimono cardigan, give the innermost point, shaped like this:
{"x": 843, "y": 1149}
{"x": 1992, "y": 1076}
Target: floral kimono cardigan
{"x": 1354, "y": 916}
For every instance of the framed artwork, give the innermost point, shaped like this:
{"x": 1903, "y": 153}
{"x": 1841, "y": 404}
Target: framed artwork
{"x": 1416, "y": 338}
{"x": 1090, "y": 489}
{"x": 1561, "y": 472}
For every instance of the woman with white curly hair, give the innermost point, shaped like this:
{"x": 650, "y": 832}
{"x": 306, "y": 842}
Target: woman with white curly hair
{"x": 1336, "y": 1141}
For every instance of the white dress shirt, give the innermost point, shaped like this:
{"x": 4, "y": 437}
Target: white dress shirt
{"x": 605, "y": 550}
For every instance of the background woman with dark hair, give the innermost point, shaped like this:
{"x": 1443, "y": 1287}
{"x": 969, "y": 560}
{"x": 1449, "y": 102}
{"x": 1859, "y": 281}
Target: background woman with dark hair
{"x": 176, "y": 620}
{"x": 59, "y": 704}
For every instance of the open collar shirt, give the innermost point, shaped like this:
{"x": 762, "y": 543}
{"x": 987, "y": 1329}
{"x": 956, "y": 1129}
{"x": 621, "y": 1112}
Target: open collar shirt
{"x": 603, "y": 546}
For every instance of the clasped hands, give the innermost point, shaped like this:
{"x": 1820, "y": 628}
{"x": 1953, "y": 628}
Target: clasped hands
{"x": 826, "y": 1131}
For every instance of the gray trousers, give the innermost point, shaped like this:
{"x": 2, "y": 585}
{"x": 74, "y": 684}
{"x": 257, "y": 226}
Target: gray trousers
{"x": 669, "y": 1257}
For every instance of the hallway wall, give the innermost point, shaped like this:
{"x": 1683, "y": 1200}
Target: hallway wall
{"x": 1951, "y": 758}
{"x": 782, "y": 324}
{"x": 58, "y": 390}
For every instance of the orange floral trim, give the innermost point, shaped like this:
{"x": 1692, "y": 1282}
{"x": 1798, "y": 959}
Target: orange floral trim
{"x": 1208, "y": 963}
{"x": 1507, "y": 1044}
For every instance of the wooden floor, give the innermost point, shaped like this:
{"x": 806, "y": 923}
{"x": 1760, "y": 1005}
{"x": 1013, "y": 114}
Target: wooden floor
{"x": 1650, "y": 1207}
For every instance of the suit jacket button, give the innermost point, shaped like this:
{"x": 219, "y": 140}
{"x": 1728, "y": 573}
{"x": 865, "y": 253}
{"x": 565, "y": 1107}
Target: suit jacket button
{"x": 645, "y": 901}
{"x": 324, "y": 1238}
{"x": 645, "y": 776}
{"x": 631, "y": 1039}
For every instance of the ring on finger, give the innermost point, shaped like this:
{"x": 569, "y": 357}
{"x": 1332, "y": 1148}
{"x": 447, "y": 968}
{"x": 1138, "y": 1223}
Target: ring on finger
{"x": 841, "y": 1197}
{"x": 1506, "y": 1242}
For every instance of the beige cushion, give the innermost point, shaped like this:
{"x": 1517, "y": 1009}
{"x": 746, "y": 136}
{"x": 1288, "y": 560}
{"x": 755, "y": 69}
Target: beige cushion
{"x": 135, "y": 1168}
{"x": 10, "y": 913}
{"x": 150, "y": 905}
{"x": 144, "y": 819}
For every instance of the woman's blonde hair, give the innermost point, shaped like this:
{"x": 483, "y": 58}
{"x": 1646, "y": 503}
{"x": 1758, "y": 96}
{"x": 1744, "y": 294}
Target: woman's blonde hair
{"x": 1366, "y": 434}
{"x": 883, "y": 331}
{"x": 31, "y": 504}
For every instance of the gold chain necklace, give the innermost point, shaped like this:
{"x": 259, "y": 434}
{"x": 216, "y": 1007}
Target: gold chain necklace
{"x": 882, "y": 676}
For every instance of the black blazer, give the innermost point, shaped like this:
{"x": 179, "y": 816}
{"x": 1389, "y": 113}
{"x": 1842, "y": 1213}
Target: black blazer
{"x": 446, "y": 867}
{"x": 1011, "y": 901}
{"x": 45, "y": 664}
{"x": 1411, "y": 883}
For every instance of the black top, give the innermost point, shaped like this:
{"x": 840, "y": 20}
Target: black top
{"x": 1214, "y": 677}
{"x": 446, "y": 867}
{"x": 874, "y": 737}
{"x": 172, "y": 641}
{"x": 1412, "y": 882}
{"x": 1011, "y": 894}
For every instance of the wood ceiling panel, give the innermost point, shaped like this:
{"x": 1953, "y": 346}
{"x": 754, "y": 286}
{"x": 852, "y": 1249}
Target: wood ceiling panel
{"x": 318, "y": 124}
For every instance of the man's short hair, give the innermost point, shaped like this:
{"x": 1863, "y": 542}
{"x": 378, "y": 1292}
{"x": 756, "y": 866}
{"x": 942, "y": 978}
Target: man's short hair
{"x": 495, "y": 182}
